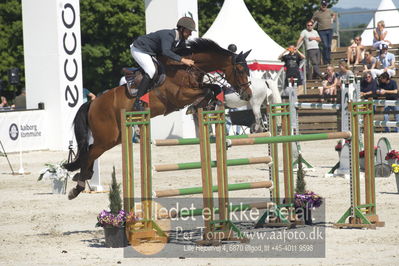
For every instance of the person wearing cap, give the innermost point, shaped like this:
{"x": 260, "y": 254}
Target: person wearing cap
{"x": 385, "y": 63}
{"x": 325, "y": 18}
{"x": 159, "y": 43}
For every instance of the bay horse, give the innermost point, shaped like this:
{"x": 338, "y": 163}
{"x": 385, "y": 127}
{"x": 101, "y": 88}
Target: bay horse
{"x": 182, "y": 86}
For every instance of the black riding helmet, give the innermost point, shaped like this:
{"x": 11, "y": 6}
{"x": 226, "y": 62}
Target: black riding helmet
{"x": 186, "y": 22}
{"x": 232, "y": 48}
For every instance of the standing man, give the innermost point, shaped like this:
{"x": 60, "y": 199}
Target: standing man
{"x": 389, "y": 89}
{"x": 325, "y": 18}
{"x": 292, "y": 58}
{"x": 311, "y": 39}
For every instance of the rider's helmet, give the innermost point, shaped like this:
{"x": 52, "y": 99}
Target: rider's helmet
{"x": 232, "y": 48}
{"x": 186, "y": 22}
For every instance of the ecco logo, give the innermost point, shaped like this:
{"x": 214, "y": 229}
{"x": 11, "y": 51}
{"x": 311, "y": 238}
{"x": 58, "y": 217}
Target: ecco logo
{"x": 71, "y": 94}
{"x": 13, "y": 131}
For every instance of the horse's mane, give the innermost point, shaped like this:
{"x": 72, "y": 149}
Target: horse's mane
{"x": 201, "y": 45}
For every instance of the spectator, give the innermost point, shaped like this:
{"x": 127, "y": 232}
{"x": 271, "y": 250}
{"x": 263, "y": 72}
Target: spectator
{"x": 311, "y": 39}
{"x": 385, "y": 62}
{"x": 325, "y": 18}
{"x": 292, "y": 58}
{"x": 87, "y": 94}
{"x": 330, "y": 82}
{"x": 344, "y": 72}
{"x": 3, "y": 102}
{"x": 369, "y": 61}
{"x": 389, "y": 89}
{"x": 355, "y": 51}
{"x": 380, "y": 34}
{"x": 368, "y": 86}
{"x": 20, "y": 100}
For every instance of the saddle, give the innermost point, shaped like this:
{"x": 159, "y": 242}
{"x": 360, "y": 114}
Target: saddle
{"x": 134, "y": 76}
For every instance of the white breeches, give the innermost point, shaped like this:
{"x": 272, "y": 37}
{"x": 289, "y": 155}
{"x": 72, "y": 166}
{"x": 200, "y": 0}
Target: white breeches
{"x": 144, "y": 60}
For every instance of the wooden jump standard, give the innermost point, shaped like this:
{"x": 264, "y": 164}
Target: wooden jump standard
{"x": 145, "y": 229}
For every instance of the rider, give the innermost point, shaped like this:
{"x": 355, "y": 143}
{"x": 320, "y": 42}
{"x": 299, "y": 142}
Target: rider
{"x": 161, "y": 42}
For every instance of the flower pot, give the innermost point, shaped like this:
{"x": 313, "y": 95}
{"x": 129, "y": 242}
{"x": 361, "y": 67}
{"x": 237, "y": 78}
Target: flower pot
{"x": 397, "y": 181}
{"x": 58, "y": 186}
{"x": 308, "y": 216}
{"x": 115, "y": 237}
{"x": 361, "y": 163}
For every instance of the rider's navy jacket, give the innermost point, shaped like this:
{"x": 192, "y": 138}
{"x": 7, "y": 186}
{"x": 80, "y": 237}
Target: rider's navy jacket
{"x": 161, "y": 42}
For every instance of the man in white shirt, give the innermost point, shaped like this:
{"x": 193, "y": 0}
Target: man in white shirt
{"x": 385, "y": 61}
{"x": 311, "y": 39}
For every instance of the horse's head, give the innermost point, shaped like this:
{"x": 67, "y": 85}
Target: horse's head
{"x": 237, "y": 74}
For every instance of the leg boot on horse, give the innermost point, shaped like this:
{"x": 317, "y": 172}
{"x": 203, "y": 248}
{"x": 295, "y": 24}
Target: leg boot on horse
{"x": 141, "y": 90}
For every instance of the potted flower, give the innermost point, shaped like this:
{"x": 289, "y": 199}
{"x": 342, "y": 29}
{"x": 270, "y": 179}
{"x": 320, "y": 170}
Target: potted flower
{"x": 57, "y": 174}
{"x": 304, "y": 200}
{"x": 114, "y": 220}
{"x": 392, "y": 157}
{"x": 395, "y": 169}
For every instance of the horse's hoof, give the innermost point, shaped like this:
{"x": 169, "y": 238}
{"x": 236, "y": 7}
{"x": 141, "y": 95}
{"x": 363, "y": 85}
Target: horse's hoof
{"x": 75, "y": 192}
{"x": 75, "y": 178}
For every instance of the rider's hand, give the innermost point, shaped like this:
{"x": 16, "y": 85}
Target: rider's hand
{"x": 187, "y": 61}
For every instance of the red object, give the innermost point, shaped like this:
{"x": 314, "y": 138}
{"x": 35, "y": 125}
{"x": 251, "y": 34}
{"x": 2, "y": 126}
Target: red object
{"x": 258, "y": 66}
{"x": 146, "y": 98}
{"x": 220, "y": 97}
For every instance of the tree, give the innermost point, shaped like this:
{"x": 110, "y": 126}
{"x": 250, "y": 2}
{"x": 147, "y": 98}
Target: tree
{"x": 11, "y": 42}
{"x": 107, "y": 30}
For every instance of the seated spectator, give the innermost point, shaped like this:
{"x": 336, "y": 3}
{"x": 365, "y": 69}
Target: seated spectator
{"x": 369, "y": 61}
{"x": 20, "y": 100}
{"x": 292, "y": 58}
{"x": 3, "y": 102}
{"x": 330, "y": 82}
{"x": 344, "y": 73}
{"x": 389, "y": 89}
{"x": 385, "y": 63}
{"x": 380, "y": 34}
{"x": 368, "y": 86}
{"x": 355, "y": 51}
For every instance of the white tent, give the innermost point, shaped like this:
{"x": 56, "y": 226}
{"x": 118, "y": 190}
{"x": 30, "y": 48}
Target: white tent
{"x": 391, "y": 18}
{"x": 235, "y": 24}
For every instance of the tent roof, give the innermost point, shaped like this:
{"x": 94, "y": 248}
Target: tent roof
{"x": 391, "y": 18}
{"x": 235, "y": 24}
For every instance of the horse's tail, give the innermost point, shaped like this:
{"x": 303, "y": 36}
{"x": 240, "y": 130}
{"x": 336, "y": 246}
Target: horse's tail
{"x": 81, "y": 128}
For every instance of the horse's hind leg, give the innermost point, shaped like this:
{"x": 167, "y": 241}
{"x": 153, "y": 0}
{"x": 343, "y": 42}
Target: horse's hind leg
{"x": 86, "y": 172}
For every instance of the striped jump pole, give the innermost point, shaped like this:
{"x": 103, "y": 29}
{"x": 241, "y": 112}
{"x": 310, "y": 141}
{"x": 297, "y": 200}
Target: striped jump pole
{"x": 193, "y": 141}
{"x": 145, "y": 229}
{"x": 294, "y": 138}
{"x": 386, "y": 102}
{"x": 197, "y": 165}
{"x": 324, "y": 106}
{"x": 361, "y": 215}
{"x": 199, "y": 190}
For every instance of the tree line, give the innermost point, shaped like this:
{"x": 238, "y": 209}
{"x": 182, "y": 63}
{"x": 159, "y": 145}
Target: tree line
{"x": 109, "y": 27}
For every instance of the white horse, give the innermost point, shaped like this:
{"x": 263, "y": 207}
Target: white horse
{"x": 261, "y": 88}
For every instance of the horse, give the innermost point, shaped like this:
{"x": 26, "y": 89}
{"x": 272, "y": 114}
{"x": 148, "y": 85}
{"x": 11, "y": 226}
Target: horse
{"x": 181, "y": 87}
{"x": 261, "y": 89}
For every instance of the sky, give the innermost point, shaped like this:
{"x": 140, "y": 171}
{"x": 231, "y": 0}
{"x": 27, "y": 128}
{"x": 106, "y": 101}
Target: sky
{"x": 371, "y": 4}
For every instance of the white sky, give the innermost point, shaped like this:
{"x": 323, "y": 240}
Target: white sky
{"x": 371, "y": 4}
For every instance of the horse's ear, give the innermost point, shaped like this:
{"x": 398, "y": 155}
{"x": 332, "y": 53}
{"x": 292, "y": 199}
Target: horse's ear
{"x": 246, "y": 53}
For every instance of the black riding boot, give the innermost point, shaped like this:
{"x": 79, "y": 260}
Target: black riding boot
{"x": 141, "y": 90}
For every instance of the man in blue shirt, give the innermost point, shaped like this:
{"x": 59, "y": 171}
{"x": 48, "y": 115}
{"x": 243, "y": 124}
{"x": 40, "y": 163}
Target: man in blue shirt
{"x": 389, "y": 89}
{"x": 386, "y": 62}
{"x": 161, "y": 42}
